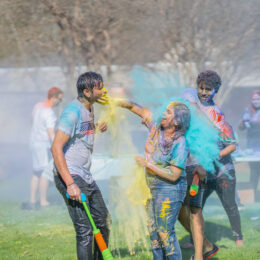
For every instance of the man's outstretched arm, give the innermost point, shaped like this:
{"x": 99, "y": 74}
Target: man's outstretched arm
{"x": 135, "y": 108}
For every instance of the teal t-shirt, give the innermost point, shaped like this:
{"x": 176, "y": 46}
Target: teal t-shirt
{"x": 165, "y": 152}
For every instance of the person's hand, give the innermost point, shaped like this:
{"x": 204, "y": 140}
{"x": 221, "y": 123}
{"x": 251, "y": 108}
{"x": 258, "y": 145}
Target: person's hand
{"x": 221, "y": 154}
{"x": 105, "y": 99}
{"x": 141, "y": 161}
{"x": 149, "y": 171}
{"x": 74, "y": 192}
{"x": 102, "y": 126}
{"x": 202, "y": 173}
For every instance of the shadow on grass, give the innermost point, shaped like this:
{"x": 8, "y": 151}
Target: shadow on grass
{"x": 214, "y": 232}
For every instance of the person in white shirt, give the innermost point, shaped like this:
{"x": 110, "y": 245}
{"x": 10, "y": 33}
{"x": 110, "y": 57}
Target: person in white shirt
{"x": 42, "y": 134}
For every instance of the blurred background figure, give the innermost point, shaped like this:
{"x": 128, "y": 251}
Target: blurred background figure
{"x": 251, "y": 123}
{"x": 117, "y": 91}
{"x": 42, "y": 134}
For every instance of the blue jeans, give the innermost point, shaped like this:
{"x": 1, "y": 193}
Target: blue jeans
{"x": 163, "y": 210}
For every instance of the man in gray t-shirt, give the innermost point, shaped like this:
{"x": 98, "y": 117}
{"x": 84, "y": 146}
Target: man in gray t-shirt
{"x": 78, "y": 122}
{"x": 71, "y": 149}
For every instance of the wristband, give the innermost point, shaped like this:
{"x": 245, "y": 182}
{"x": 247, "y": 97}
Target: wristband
{"x": 70, "y": 184}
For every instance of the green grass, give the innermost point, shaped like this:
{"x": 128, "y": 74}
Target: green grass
{"x": 44, "y": 234}
{"x": 48, "y": 234}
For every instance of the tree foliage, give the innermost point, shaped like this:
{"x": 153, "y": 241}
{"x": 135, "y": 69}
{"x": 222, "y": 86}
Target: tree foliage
{"x": 187, "y": 35}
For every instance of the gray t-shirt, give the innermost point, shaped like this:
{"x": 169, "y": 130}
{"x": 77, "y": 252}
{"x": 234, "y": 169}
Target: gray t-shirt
{"x": 78, "y": 123}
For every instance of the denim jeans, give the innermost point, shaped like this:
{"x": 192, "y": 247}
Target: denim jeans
{"x": 98, "y": 210}
{"x": 163, "y": 210}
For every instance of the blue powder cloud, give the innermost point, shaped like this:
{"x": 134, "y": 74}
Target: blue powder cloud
{"x": 156, "y": 90}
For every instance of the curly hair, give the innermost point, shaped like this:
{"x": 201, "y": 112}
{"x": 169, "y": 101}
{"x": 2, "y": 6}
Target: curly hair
{"x": 210, "y": 78}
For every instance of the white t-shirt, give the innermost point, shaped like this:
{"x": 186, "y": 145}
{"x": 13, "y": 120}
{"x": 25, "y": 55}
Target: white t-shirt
{"x": 43, "y": 117}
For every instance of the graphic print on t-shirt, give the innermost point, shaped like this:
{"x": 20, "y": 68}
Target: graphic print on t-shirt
{"x": 86, "y": 128}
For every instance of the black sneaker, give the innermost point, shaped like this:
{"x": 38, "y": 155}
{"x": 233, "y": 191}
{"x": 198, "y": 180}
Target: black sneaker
{"x": 210, "y": 253}
{"x": 27, "y": 206}
{"x": 30, "y": 206}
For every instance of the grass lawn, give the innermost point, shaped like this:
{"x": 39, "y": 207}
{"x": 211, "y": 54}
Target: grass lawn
{"x": 48, "y": 233}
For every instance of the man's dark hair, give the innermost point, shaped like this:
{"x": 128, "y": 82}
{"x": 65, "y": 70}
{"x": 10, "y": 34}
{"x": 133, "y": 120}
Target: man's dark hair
{"x": 210, "y": 78}
{"x": 88, "y": 80}
{"x": 54, "y": 92}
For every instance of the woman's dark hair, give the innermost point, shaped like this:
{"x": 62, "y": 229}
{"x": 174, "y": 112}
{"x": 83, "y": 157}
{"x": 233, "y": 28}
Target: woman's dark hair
{"x": 210, "y": 78}
{"x": 182, "y": 117}
{"x": 88, "y": 81}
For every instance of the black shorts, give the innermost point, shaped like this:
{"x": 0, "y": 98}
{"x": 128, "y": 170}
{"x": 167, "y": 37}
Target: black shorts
{"x": 197, "y": 200}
